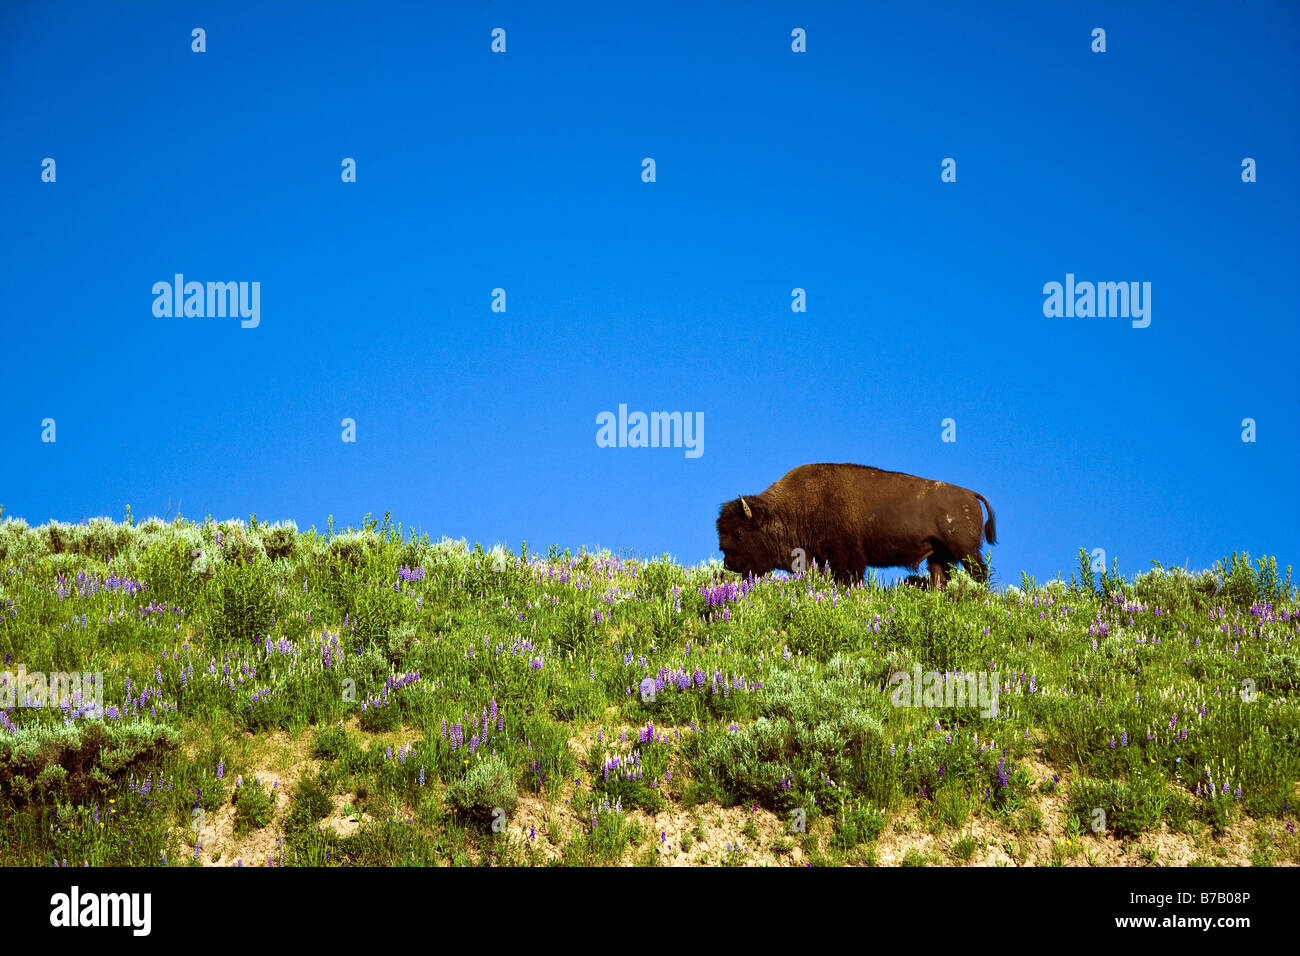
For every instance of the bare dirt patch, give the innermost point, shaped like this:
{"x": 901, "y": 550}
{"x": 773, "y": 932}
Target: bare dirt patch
{"x": 279, "y": 761}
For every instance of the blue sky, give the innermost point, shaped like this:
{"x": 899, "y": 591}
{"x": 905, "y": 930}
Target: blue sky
{"x": 775, "y": 170}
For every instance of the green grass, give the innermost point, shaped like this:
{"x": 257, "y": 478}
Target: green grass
{"x": 254, "y": 806}
{"x": 456, "y": 699}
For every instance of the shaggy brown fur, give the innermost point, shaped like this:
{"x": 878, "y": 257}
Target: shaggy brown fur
{"x": 855, "y": 517}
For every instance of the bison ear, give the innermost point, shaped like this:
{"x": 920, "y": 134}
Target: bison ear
{"x": 744, "y": 506}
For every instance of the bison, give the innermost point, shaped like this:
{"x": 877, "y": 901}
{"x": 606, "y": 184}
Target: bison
{"x": 854, "y": 517}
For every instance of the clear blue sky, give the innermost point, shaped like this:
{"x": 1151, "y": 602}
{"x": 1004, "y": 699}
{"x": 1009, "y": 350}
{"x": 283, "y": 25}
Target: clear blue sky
{"x": 775, "y": 170}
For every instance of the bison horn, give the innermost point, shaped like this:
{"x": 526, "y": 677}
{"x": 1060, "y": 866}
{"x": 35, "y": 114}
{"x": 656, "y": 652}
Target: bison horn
{"x": 744, "y": 506}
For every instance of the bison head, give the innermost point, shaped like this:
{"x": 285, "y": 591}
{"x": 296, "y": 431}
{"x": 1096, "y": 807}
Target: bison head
{"x": 745, "y": 536}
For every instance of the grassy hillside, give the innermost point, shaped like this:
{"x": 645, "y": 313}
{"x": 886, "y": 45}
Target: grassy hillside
{"x": 368, "y": 698}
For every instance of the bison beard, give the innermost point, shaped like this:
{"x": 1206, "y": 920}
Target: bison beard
{"x": 854, "y": 517}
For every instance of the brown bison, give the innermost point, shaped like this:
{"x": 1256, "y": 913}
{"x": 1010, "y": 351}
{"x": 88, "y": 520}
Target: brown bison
{"x": 854, "y": 517}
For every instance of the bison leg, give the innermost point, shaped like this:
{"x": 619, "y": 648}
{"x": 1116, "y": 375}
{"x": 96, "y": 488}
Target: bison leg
{"x": 847, "y": 578}
{"x": 938, "y": 577}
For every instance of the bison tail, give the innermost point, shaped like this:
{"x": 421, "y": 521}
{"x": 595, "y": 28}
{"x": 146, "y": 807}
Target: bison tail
{"x": 990, "y": 530}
